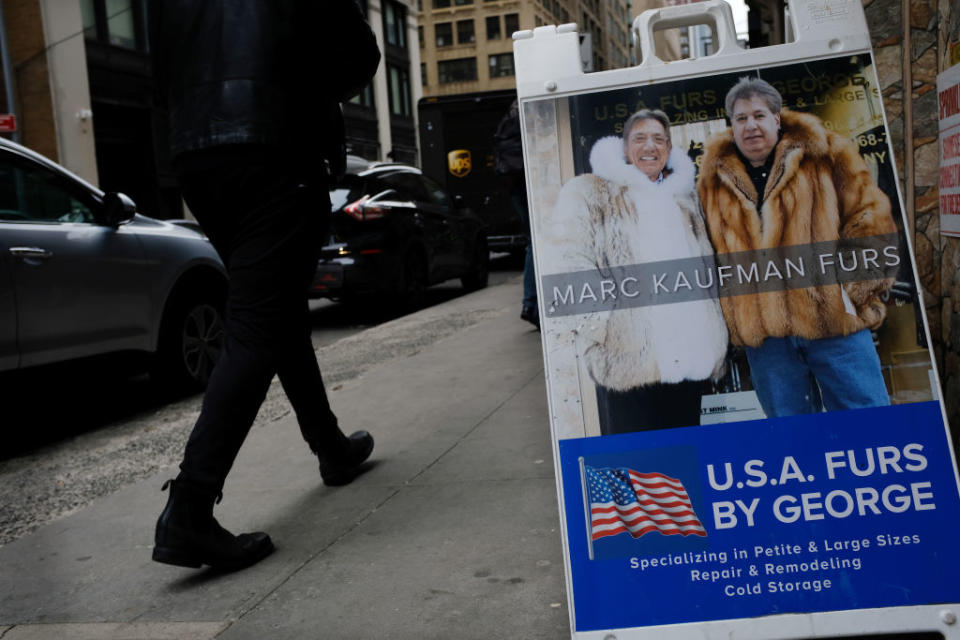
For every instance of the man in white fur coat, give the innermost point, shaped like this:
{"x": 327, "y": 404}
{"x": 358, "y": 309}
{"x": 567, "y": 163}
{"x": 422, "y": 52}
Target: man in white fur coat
{"x": 639, "y": 206}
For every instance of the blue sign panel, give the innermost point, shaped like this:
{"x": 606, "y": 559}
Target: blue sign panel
{"x": 832, "y": 511}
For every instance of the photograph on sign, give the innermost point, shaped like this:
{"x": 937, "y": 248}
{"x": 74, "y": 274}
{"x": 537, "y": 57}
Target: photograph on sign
{"x": 741, "y": 386}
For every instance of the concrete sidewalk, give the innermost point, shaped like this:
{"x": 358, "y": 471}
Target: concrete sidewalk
{"x": 452, "y": 534}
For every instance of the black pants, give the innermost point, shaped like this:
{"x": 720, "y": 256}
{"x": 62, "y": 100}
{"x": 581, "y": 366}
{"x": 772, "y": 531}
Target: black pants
{"x": 268, "y": 230}
{"x": 655, "y": 406}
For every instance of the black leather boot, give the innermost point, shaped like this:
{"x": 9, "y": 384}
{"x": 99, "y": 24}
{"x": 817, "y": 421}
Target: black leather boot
{"x": 189, "y": 536}
{"x": 341, "y": 460}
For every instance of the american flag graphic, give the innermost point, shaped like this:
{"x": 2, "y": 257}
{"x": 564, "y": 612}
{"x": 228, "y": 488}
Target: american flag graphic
{"x": 624, "y": 500}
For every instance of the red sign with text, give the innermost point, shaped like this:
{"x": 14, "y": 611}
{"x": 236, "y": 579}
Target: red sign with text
{"x": 8, "y": 122}
{"x": 948, "y": 99}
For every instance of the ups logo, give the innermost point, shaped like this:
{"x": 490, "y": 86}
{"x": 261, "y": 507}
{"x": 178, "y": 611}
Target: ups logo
{"x": 459, "y": 162}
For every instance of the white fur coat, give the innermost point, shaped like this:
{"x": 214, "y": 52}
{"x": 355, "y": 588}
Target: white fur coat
{"x": 617, "y": 216}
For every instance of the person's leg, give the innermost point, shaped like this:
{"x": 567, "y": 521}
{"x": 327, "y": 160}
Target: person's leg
{"x": 241, "y": 205}
{"x": 651, "y": 407}
{"x": 529, "y": 280}
{"x": 606, "y": 409}
{"x": 302, "y": 382}
{"x": 679, "y": 404}
{"x": 248, "y": 212}
{"x": 528, "y": 310}
{"x": 340, "y": 457}
{"x": 848, "y": 370}
{"x": 665, "y": 406}
{"x": 782, "y": 379}
{"x": 529, "y": 277}
{"x": 297, "y": 365}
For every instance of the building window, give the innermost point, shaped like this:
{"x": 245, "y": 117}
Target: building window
{"x": 399, "y": 83}
{"x": 511, "y": 23}
{"x": 116, "y": 22}
{"x": 364, "y": 98}
{"x": 88, "y": 15}
{"x": 121, "y": 23}
{"x": 501, "y": 65}
{"x": 440, "y": 4}
{"x": 444, "y": 33}
{"x": 395, "y": 23}
{"x": 423, "y": 73}
{"x": 458, "y": 70}
{"x": 462, "y": 2}
{"x": 493, "y": 28}
{"x": 420, "y": 36}
{"x": 465, "y": 34}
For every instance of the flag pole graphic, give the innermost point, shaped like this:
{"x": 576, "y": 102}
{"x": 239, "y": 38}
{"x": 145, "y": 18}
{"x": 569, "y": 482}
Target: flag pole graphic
{"x": 586, "y": 508}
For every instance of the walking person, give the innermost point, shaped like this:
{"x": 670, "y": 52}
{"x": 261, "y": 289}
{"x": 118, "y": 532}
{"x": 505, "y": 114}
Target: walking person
{"x": 779, "y": 178}
{"x": 253, "y": 96}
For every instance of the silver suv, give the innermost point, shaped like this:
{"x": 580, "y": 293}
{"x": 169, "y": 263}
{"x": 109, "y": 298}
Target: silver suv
{"x": 82, "y": 274}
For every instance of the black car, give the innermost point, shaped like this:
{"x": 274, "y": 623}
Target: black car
{"x": 394, "y": 232}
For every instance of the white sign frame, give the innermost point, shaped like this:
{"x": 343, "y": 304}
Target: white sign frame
{"x": 548, "y": 66}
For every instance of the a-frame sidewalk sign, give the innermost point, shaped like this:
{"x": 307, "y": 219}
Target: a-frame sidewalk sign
{"x": 690, "y": 262}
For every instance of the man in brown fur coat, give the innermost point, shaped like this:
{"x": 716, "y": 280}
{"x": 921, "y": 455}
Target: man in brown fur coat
{"x": 777, "y": 178}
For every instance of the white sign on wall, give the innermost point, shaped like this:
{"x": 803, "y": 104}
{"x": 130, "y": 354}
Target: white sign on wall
{"x": 948, "y": 93}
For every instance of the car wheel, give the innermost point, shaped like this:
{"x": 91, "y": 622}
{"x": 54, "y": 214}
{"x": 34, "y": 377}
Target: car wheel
{"x": 412, "y": 290}
{"x": 191, "y": 337}
{"x": 478, "y": 271}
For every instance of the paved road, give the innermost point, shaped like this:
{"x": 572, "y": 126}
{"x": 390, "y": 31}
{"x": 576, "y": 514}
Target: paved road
{"x": 75, "y": 434}
{"x": 52, "y": 405}
{"x": 333, "y": 321}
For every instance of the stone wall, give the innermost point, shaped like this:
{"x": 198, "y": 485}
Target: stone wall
{"x": 914, "y": 48}
{"x": 949, "y": 33}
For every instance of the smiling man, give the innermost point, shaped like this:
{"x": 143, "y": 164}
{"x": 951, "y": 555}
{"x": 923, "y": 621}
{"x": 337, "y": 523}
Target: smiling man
{"x": 778, "y": 178}
{"x": 647, "y": 147}
{"x": 638, "y": 206}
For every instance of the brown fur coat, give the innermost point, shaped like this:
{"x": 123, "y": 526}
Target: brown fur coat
{"x": 819, "y": 190}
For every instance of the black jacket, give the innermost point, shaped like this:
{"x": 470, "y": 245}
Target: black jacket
{"x": 263, "y": 72}
{"x": 508, "y": 143}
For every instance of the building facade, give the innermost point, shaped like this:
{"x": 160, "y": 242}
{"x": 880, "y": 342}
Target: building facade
{"x": 381, "y": 121}
{"x": 43, "y": 42}
{"x": 83, "y": 93}
{"x": 466, "y": 46}
{"x": 667, "y": 44}
{"x": 912, "y": 43}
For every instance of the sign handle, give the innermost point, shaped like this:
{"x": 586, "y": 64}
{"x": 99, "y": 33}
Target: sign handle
{"x": 714, "y": 13}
